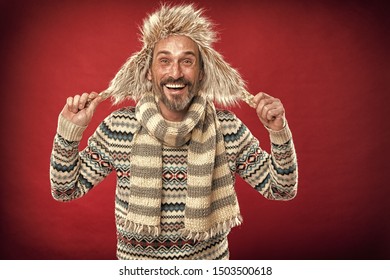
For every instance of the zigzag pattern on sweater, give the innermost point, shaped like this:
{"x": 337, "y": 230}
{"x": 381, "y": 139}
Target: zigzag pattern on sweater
{"x": 73, "y": 174}
{"x": 170, "y": 247}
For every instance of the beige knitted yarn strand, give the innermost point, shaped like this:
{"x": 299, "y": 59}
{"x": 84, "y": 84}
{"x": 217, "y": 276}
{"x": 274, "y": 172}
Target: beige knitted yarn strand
{"x": 245, "y": 96}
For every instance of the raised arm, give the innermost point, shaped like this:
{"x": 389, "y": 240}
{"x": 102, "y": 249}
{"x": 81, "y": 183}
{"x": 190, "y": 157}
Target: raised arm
{"x": 274, "y": 174}
{"x": 74, "y": 173}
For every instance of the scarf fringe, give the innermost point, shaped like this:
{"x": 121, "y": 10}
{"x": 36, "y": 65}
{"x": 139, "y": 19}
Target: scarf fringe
{"x": 220, "y": 228}
{"x": 140, "y": 228}
{"x": 185, "y": 233}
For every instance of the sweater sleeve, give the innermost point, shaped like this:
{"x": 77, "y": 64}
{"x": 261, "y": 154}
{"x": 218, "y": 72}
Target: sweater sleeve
{"x": 74, "y": 173}
{"x": 275, "y": 174}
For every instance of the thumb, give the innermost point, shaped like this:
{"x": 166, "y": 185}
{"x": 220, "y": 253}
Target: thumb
{"x": 94, "y": 103}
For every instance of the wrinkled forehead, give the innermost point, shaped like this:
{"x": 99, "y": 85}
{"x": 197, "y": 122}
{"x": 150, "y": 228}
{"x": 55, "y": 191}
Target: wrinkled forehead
{"x": 176, "y": 43}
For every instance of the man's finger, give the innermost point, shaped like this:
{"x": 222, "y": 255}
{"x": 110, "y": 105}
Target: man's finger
{"x": 263, "y": 105}
{"x": 69, "y": 103}
{"x": 75, "y": 104}
{"x": 83, "y": 101}
{"x": 93, "y": 103}
{"x": 258, "y": 97}
{"x": 273, "y": 113}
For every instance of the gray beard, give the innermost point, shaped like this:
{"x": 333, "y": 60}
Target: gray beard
{"x": 179, "y": 103}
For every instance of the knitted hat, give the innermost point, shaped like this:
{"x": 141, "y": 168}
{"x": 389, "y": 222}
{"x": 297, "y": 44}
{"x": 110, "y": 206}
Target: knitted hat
{"x": 221, "y": 83}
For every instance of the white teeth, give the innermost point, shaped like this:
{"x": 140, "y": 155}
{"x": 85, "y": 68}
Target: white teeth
{"x": 175, "y": 85}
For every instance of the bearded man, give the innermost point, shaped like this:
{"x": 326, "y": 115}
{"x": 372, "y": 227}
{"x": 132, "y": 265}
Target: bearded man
{"x": 174, "y": 153}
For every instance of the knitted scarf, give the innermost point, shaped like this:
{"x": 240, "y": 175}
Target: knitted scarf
{"x": 211, "y": 202}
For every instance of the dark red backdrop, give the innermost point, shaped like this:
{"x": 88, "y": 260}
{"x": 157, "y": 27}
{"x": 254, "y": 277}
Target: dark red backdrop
{"x": 327, "y": 60}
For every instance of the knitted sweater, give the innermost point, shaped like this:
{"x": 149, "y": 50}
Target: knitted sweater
{"x": 73, "y": 174}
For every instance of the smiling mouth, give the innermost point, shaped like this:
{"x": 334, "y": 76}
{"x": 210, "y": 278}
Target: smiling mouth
{"x": 175, "y": 86}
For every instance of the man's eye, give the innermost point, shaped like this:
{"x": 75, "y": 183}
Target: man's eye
{"x": 187, "y": 61}
{"x": 164, "y": 61}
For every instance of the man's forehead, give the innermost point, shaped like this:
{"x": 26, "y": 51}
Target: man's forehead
{"x": 176, "y": 44}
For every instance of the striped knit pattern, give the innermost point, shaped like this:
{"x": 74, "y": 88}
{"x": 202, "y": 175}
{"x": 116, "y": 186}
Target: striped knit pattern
{"x": 74, "y": 173}
{"x": 211, "y": 202}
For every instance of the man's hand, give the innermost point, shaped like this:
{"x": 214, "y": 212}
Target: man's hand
{"x": 270, "y": 111}
{"x": 79, "y": 109}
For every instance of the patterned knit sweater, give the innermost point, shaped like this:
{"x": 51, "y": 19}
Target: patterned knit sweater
{"x": 74, "y": 173}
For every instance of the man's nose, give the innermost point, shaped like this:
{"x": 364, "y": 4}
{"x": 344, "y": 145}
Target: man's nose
{"x": 176, "y": 71}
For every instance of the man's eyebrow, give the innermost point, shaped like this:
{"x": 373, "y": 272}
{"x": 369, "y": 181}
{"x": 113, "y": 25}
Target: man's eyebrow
{"x": 163, "y": 52}
{"x": 168, "y": 53}
{"x": 190, "y": 53}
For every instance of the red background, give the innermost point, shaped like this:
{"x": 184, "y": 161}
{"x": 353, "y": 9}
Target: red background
{"x": 328, "y": 61}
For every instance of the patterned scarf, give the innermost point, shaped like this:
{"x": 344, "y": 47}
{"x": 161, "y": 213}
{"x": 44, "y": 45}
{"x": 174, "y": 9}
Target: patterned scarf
{"x": 211, "y": 202}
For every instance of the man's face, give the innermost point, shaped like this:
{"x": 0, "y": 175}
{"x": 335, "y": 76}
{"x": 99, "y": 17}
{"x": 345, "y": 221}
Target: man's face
{"x": 176, "y": 72}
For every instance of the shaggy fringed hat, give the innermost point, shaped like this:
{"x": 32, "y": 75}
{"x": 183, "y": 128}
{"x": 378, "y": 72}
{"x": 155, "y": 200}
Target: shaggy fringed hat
{"x": 221, "y": 83}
